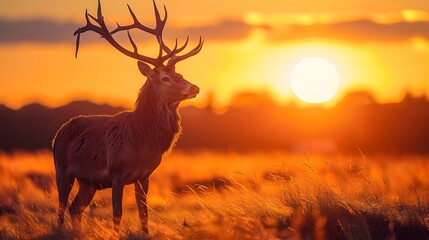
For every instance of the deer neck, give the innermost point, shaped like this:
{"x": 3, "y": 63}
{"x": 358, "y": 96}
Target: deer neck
{"x": 155, "y": 125}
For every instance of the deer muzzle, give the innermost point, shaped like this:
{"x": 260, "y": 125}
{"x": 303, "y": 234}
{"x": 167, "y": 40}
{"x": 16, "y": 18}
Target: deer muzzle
{"x": 191, "y": 91}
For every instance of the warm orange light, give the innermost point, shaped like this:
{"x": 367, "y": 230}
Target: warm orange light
{"x": 314, "y": 80}
{"x": 411, "y": 15}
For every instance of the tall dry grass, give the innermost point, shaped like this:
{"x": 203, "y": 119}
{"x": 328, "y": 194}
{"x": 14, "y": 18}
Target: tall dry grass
{"x": 235, "y": 196}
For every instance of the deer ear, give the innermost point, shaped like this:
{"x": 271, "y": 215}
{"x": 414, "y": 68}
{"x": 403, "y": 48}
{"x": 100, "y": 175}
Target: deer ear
{"x": 145, "y": 69}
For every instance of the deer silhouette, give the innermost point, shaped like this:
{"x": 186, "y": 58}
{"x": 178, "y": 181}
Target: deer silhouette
{"x": 102, "y": 151}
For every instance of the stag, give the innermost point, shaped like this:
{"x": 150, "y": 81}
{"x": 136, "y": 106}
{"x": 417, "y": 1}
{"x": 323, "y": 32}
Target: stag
{"x": 101, "y": 151}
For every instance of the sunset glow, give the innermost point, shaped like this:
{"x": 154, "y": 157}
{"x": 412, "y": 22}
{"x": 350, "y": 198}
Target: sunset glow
{"x": 241, "y": 119}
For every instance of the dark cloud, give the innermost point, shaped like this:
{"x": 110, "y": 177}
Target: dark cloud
{"x": 226, "y": 30}
{"x": 38, "y": 31}
{"x": 361, "y": 30}
{"x": 45, "y": 31}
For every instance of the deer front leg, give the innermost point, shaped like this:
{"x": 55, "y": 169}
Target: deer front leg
{"x": 141, "y": 189}
{"x": 117, "y": 192}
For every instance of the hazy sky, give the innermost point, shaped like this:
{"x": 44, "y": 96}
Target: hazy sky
{"x": 72, "y": 10}
{"x": 380, "y": 46}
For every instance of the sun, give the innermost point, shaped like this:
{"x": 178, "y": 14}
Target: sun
{"x": 314, "y": 80}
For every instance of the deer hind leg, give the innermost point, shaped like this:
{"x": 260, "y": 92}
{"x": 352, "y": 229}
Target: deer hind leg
{"x": 141, "y": 189}
{"x": 80, "y": 203}
{"x": 64, "y": 186}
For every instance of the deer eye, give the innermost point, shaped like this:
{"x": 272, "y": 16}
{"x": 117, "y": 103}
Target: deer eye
{"x": 165, "y": 79}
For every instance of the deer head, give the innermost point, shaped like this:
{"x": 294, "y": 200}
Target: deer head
{"x": 170, "y": 86}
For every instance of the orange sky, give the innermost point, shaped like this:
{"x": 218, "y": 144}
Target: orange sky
{"x": 380, "y": 46}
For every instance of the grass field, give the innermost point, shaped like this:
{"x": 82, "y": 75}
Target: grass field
{"x": 235, "y": 196}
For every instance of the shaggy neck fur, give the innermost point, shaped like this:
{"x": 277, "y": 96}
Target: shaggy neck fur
{"x": 155, "y": 125}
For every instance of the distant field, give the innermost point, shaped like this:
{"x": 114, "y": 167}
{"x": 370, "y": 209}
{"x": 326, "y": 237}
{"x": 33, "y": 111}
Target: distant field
{"x": 235, "y": 196}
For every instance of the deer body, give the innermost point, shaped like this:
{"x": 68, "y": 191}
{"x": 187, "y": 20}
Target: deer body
{"x": 128, "y": 145}
{"x": 102, "y": 151}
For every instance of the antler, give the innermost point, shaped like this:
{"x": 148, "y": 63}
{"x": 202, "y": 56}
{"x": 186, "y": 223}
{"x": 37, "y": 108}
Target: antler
{"x": 175, "y": 59}
{"x": 101, "y": 29}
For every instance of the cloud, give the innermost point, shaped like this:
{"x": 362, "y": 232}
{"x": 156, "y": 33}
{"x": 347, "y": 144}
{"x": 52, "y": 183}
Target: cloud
{"x": 36, "y": 31}
{"x": 46, "y": 31}
{"x": 50, "y": 32}
{"x": 225, "y": 30}
{"x": 360, "y": 30}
